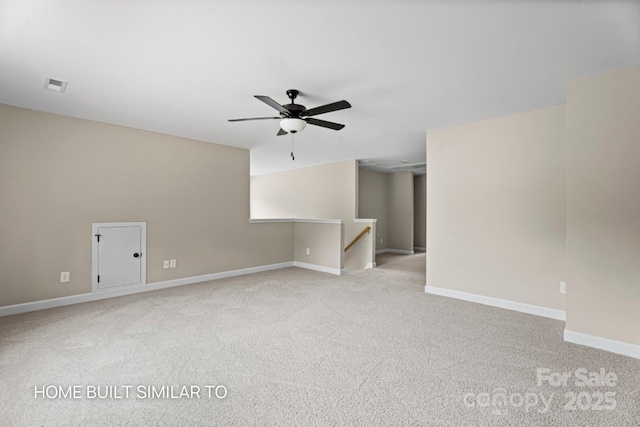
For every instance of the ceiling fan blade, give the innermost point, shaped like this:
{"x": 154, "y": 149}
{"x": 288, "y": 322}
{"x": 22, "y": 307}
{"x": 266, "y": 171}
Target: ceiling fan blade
{"x": 340, "y": 105}
{"x": 282, "y": 132}
{"x": 273, "y": 104}
{"x": 255, "y": 118}
{"x": 324, "y": 124}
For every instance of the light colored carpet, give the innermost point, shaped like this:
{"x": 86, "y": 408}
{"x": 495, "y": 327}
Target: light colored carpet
{"x": 295, "y": 347}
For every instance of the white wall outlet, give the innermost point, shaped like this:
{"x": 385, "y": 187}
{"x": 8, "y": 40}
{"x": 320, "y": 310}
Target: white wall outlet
{"x": 172, "y": 263}
{"x": 165, "y": 263}
{"x": 563, "y": 287}
{"x": 64, "y": 277}
{"x": 308, "y": 251}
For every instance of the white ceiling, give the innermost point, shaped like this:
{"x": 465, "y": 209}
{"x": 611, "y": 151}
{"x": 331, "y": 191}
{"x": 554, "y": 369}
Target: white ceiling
{"x": 185, "y": 67}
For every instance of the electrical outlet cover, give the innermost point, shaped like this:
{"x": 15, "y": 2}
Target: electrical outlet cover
{"x": 165, "y": 263}
{"x": 172, "y": 263}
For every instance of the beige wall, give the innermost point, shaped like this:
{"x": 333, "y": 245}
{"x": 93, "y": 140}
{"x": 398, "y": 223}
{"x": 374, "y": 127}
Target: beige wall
{"x": 389, "y": 198}
{"x": 401, "y": 211}
{"x": 58, "y": 175}
{"x": 420, "y": 211}
{"x": 603, "y": 205}
{"x": 373, "y": 202}
{"x": 324, "y": 242}
{"x": 319, "y": 192}
{"x": 496, "y": 207}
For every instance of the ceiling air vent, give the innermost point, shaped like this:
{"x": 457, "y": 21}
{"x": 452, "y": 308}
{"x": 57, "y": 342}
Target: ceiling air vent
{"x": 55, "y": 84}
{"x": 414, "y": 167}
{"x": 365, "y": 163}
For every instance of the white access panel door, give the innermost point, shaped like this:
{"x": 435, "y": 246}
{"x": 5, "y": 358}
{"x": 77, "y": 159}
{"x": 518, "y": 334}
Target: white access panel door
{"x": 119, "y": 255}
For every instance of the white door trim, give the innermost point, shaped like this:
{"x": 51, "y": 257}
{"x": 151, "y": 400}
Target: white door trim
{"x": 94, "y": 252}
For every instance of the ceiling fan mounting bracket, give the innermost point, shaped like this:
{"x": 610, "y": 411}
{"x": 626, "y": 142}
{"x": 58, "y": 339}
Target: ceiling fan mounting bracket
{"x": 293, "y": 94}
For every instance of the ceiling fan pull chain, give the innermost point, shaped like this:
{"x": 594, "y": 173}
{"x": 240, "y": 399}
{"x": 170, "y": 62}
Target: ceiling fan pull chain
{"x": 292, "y": 156}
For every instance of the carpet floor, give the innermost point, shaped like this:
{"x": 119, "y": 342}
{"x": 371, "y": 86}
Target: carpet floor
{"x": 297, "y": 347}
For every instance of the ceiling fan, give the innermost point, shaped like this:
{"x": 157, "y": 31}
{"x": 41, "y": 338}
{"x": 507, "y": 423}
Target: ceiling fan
{"x": 294, "y": 117}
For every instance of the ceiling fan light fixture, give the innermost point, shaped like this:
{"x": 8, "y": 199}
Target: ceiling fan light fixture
{"x": 293, "y": 125}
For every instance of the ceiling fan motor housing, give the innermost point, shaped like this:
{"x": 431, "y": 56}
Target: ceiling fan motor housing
{"x": 295, "y": 110}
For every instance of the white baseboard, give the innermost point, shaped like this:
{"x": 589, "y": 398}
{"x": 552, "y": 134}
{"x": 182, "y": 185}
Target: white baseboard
{"x": 606, "y": 344}
{"x": 370, "y": 265}
{"x": 316, "y": 267}
{"x": 115, "y": 292}
{"x": 44, "y": 304}
{"x": 536, "y": 310}
{"x": 393, "y": 251}
{"x": 217, "y": 276}
{"x": 419, "y": 248}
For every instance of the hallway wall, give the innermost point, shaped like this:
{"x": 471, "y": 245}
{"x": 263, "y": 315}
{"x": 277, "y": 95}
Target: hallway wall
{"x": 603, "y": 205}
{"x": 420, "y": 211}
{"x": 401, "y": 211}
{"x": 388, "y": 198}
{"x": 496, "y": 207}
{"x": 373, "y": 202}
